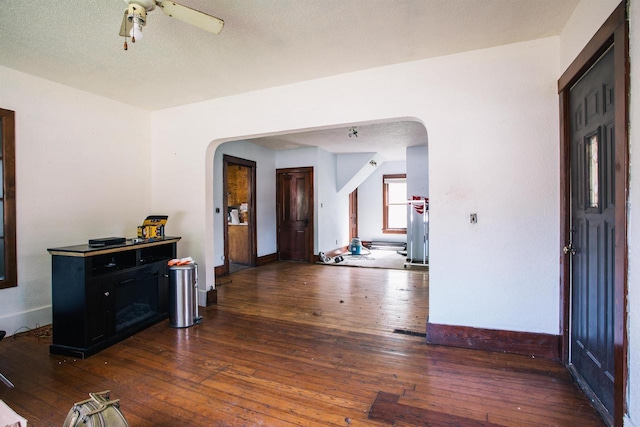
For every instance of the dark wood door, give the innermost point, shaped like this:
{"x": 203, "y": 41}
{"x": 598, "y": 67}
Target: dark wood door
{"x": 239, "y": 194}
{"x": 294, "y": 206}
{"x": 353, "y": 214}
{"x": 592, "y": 229}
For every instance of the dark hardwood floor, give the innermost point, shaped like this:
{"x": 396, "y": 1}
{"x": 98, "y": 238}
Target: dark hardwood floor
{"x": 298, "y": 344}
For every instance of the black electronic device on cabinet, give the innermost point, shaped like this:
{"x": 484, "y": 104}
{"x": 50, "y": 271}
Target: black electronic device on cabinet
{"x": 107, "y": 241}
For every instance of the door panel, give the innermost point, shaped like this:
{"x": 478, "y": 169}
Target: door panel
{"x": 295, "y": 214}
{"x": 593, "y": 229}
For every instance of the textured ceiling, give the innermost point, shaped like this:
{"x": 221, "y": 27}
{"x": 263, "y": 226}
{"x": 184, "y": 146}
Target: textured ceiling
{"x": 388, "y": 139}
{"x": 264, "y": 43}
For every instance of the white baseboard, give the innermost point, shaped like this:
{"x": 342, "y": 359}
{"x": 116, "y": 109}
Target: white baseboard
{"x": 18, "y": 322}
{"x": 202, "y": 297}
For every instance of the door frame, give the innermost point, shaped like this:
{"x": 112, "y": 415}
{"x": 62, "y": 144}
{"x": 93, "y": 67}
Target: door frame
{"x": 614, "y": 32}
{"x": 312, "y": 227}
{"x": 251, "y": 223}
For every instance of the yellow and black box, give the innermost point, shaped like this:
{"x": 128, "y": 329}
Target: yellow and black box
{"x": 152, "y": 227}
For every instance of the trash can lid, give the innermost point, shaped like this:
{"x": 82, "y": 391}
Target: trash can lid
{"x": 183, "y": 267}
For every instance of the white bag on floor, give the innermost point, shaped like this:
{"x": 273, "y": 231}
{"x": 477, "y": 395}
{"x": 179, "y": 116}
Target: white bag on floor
{"x": 9, "y": 418}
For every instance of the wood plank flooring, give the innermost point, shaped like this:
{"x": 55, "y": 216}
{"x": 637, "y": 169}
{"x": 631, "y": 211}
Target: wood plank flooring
{"x": 298, "y": 344}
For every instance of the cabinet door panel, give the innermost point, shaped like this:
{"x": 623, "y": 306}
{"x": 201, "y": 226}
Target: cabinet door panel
{"x": 100, "y": 300}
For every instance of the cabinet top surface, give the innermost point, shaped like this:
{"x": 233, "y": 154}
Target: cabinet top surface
{"x": 85, "y": 250}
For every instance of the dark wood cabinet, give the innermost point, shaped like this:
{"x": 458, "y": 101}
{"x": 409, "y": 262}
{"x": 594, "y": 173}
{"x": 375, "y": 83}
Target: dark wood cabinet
{"x": 103, "y": 295}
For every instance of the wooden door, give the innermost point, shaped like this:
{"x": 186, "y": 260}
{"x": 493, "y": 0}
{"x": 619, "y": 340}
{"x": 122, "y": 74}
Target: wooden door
{"x": 294, "y": 204}
{"x": 353, "y": 214}
{"x": 239, "y": 188}
{"x": 592, "y": 229}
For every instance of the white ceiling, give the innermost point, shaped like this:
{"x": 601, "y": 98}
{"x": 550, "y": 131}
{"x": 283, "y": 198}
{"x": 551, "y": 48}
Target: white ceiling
{"x": 389, "y": 139}
{"x": 264, "y": 43}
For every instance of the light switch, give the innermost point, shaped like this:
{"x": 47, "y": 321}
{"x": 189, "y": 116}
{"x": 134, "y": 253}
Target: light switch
{"x": 473, "y": 218}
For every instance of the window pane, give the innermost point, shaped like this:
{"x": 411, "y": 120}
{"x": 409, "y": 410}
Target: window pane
{"x": 1, "y": 180}
{"x": 592, "y": 168}
{"x": 397, "y": 192}
{"x": 1, "y": 218}
{"x": 397, "y": 216}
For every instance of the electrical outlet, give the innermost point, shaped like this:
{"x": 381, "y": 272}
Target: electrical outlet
{"x": 473, "y": 218}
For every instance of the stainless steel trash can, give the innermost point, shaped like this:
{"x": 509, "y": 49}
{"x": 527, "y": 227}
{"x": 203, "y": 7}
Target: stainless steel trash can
{"x": 183, "y": 295}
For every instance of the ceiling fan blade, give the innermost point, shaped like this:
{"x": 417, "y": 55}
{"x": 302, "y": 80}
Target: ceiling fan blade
{"x": 125, "y": 27}
{"x": 191, "y": 16}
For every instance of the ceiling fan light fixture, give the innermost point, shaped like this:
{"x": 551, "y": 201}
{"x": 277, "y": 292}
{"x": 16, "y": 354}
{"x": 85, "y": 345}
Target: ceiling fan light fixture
{"x": 136, "y": 30}
{"x": 137, "y": 16}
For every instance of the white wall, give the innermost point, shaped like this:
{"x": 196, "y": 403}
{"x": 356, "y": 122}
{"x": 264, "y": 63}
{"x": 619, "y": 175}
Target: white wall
{"x": 333, "y": 206}
{"x": 353, "y": 169}
{"x": 502, "y": 272}
{"x": 265, "y": 195}
{"x": 633, "y": 298}
{"x": 588, "y": 16}
{"x": 370, "y": 204}
{"x": 492, "y": 136}
{"x": 490, "y": 131}
{"x": 82, "y": 171}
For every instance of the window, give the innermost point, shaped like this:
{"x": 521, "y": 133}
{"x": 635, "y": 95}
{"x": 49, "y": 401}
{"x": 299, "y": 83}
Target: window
{"x": 592, "y": 171}
{"x": 394, "y": 204}
{"x": 8, "y": 263}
